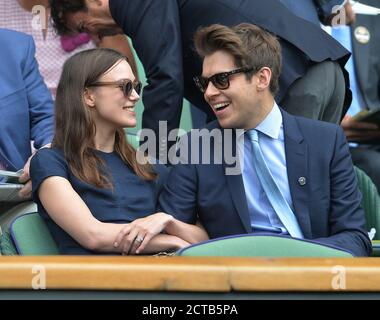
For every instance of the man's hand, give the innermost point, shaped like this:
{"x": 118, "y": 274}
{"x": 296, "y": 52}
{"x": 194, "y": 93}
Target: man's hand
{"x": 26, "y": 192}
{"x": 135, "y": 236}
{"x": 358, "y": 131}
{"x": 350, "y": 14}
{"x": 344, "y": 15}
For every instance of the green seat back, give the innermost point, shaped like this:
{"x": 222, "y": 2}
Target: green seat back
{"x": 370, "y": 201}
{"x": 261, "y": 246}
{"x": 7, "y": 246}
{"x": 186, "y": 121}
{"x": 371, "y": 206}
{"x": 31, "y": 236}
{"x": 133, "y": 140}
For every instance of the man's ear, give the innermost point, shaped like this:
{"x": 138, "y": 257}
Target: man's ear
{"x": 264, "y": 77}
{"x": 94, "y": 3}
{"x": 89, "y": 98}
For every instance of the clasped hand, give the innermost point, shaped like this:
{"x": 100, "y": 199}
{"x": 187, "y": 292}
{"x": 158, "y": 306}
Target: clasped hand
{"x": 134, "y": 237}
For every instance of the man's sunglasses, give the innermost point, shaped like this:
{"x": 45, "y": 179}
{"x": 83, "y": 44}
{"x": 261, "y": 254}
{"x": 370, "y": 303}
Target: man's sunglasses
{"x": 125, "y": 85}
{"x": 220, "y": 81}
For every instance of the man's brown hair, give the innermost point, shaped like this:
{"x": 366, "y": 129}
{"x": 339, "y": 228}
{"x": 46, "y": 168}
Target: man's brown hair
{"x": 250, "y": 46}
{"x": 59, "y": 10}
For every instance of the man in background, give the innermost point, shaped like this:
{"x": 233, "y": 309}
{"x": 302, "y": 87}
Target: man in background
{"x": 27, "y": 112}
{"x": 362, "y": 38}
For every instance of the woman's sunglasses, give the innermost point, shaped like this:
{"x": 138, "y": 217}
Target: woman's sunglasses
{"x": 220, "y": 81}
{"x": 125, "y": 85}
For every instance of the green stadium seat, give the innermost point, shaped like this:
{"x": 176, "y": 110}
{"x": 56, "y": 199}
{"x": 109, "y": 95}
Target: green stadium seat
{"x": 371, "y": 206}
{"x": 7, "y": 246}
{"x": 31, "y": 236}
{"x": 133, "y": 139}
{"x": 251, "y": 245}
{"x": 186, "y": 122}
{"x": 370, "y": 201}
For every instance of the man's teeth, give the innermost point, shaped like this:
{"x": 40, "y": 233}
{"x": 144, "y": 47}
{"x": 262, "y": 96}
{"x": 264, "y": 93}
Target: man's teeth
{"x": 221, "y": 105}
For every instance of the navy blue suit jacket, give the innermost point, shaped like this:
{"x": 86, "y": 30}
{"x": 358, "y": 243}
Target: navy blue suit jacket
{"x": 327, "y": 207}
{"x": 316, "y": 11}
{"x": 162, "y": 33}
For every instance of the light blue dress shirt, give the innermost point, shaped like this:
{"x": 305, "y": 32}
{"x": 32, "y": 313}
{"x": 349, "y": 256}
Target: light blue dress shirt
{"x": 271, "y": 141}
{"x": 343, "y": 35}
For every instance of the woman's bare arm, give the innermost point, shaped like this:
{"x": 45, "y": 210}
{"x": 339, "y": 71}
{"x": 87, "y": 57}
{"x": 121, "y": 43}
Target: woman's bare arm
{"x": 68, "y": 210}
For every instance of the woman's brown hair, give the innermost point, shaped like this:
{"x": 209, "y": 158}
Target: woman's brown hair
{"x": 74, "y": 127}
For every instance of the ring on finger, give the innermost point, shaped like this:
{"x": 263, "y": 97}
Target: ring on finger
{"x": 139, "y": 239}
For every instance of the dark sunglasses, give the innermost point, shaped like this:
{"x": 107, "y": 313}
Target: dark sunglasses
{"x": 125, "y": 85}
{"x": 220, "y": 81}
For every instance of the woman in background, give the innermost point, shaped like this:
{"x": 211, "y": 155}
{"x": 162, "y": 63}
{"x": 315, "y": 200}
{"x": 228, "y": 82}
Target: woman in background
{"x": 33, "y": 17}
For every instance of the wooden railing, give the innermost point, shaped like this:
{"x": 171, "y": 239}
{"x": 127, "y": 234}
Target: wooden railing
{"x": 191, "y": 274}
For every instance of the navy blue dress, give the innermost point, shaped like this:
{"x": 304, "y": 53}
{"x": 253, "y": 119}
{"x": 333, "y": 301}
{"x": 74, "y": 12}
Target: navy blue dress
{"x": 131, "y": 197}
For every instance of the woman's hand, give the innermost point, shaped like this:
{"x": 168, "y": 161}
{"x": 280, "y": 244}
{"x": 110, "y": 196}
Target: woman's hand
{"x": 134, "y": 237}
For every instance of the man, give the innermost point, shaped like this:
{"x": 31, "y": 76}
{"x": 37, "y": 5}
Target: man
{"x": 162, "y": 33}
{"x": 310, "y": 189}
{"x": 363, "y": 39}
{"x": 315, "y": 11}
{"x": 27, "y": 109}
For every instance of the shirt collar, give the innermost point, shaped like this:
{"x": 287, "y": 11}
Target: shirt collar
{"x": 271, "y": 125}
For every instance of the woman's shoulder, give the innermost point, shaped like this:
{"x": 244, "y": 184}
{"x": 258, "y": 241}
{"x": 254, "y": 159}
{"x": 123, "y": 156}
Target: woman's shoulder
{"x": 51, "y": 152}
{"x": 47, "y": 162}
{"x": 48, "y": 157}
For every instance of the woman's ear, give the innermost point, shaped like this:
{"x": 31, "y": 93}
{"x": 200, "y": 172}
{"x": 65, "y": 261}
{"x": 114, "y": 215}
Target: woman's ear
{"x": 89, "y": 98}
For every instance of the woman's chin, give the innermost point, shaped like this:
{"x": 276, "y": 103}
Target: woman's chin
{"x": 130, "y": 123}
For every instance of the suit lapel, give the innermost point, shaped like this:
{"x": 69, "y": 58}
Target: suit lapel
{"x": 296, "y": 153}
{"x": 235, "y": 186}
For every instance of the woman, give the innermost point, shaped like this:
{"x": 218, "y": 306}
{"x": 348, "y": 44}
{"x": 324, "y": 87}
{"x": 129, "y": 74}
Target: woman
{"x": 33, "y": 17}
{"x": 89, "y": 187}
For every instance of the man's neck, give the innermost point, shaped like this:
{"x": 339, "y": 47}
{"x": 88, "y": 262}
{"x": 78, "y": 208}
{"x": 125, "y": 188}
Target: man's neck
{"x": 104, "y": 10}
{"x": 263, "y": 109}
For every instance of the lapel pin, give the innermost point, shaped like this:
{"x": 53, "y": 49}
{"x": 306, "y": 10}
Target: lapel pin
{"x": 362, "y": 35}
{"x": 302, "y": 181}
